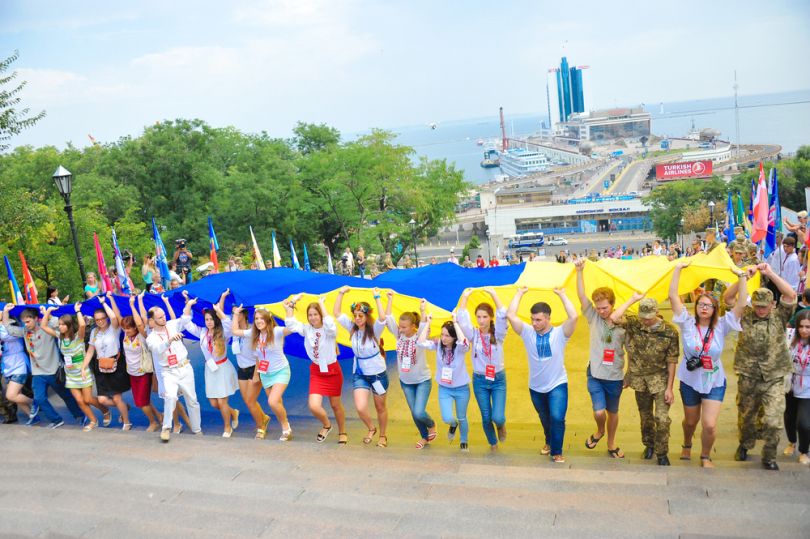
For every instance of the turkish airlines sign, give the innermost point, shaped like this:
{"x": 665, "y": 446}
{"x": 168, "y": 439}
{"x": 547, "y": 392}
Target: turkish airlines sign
{"x": 689, "y": 169}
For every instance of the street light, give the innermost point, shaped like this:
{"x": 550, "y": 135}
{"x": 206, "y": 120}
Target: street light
{"x": 413, "y": 235}
{"x": 711, "y": 213}
{"x": 64, "y": 182}
{"x": 682, "y": 235}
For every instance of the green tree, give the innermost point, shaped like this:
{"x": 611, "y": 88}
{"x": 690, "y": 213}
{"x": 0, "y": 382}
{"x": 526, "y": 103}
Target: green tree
{"x": 13, "y": 119}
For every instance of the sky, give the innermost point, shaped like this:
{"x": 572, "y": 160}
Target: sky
{"x": 110, "y": 68}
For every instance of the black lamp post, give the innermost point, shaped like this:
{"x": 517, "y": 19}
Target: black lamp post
{"x": 682, "y": 235}
{"x": 64, "y": 182}
{"x": 413, "y": 235}
{"x": 711, "y": 213}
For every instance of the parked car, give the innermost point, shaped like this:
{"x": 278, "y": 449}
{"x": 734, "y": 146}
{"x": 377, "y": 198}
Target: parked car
{"x": 557, "y": 241}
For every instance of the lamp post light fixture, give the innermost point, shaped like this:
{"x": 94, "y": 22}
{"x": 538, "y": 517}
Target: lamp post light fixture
{"x": 64, "y": 182}
{"x": 413, "y": 235}
{"x": 683, "y": 233}
{"x": 711, "y": 213}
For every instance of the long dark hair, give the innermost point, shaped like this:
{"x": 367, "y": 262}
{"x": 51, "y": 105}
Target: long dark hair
{"x": 368, "y": 330}
{"x": 71, "y": 324}
{"x": 218, "y": 333}
{"x": 487, "y": 308}
{"x": 803, "y": 315}
{"x": 715, "y": 309}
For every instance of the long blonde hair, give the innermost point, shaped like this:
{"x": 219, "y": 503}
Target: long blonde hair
{"x": 270, "y": 325}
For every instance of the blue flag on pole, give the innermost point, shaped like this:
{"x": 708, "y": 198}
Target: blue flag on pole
{"x": 123, "y": 278}
{"x": 160, "y": 255}
{"x": 294, "y": 256}
{"x": 774, "y": 214}
{"x": 730, "y": 223}
{"x": 13, "y": 287}
{"x": 306, "y": 259}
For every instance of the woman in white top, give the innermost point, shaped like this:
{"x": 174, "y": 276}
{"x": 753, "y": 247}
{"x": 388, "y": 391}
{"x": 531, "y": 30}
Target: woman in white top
{"x": 249, "y": 385}
{"x": 414, "y": 372}
{"x": 109, "y": 369}
{"x": 138, "y": 356}
{"x": 703, "y": 380}
{"x": 451, "y": 375}
{"x": 797, "y": 401}
{"x": 220, "y": 376}
{"x": 266, "y": 343}
{"x": 369, "y": 374}
{"x": 325, "y": 374}
{"x": 489, "y": 377}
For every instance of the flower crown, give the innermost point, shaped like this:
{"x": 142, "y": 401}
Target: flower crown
{"x": 362, "y": 306}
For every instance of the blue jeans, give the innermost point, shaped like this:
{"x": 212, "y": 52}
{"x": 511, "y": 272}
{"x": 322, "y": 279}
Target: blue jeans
{"x": 551, "y": 408}
{"x": 40, "y": 384}
{"x": 461, "y": 397}
{"x": 491, "y": 398}
{"x": 417, "y": 397}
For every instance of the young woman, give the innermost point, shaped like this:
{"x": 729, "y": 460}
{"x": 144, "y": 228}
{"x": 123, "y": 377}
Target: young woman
{"x": 266, "y": 343}
{"x": 325, "y": 374}
{"x": 148, "y": 272}
{"x": 16, "y": 370}
{"x": 70, "y": 335}
{"x": 451, "y": 375}
{"x": 53, "y": 297}
{"x": 91, "y": 288}
{"x": 414, "y": 372}
{"x": 110, "y": 372}
{"x": 157, "y": 379}
{"x": 220, "y": 376}
{"x": 489, "y": 377}
{"x": 703, "y": 380}
{"x": 797, "y": 405}
{"x": 249, "y": 385}
{"x": 369, "y": 374}
{"x": 135, "y": 354}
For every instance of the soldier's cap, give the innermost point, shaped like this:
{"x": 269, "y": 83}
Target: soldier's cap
{"x": 762, "y": 297}
{"x": 736, "y": 228}
{"x": 738, "y": 247}
{"x": 802, "y": 214}
{"x": 648, "y": 308}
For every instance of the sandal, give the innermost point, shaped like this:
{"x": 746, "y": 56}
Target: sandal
{"x": 706, "y": 462}
{"x": 419, "y": 445}
{"x": 106, "y": 419}
{"x": 616, "y": 453}
{"x": 127, "y": 426}
{"x": 286, "y": 435}
{"x": 234, "y": 418}
{"x": 323, "y": 434}
{"x": 546, "y": 450}
{"x": 591, "y": 442}
{"x": 686, "y": 452}
{"x": 260, "y": 434}
{"x": 431, "y": 436}
{"x": 558, "y": 459}
{"x": 343, "y": 438}
{"x": 90, "y": 426}
{"x": 372, "y": 431}
{"x": 227, "y": 434}
{"x": 383, "y": 441}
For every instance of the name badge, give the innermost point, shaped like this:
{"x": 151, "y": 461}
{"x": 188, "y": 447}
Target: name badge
{"x": 263, "y": 366}
{"x": 212, "y": 365}
{"x": 406, "y": 364}
{"x": 489, "y": 373}
{"x": 172, "y": 359}
{"x": 68, "y": 359}
{"x": 706, "y": 361}
{"x": 447, "y": 375}
{"x": 608, "y": 357}
{"x": 378, "y": 387}
{"x": 323, "y": 367}
{"x": 236, "y": 346}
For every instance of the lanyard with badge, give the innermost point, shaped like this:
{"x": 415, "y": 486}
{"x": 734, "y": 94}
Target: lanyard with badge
{"x": 608, "y": 354}
{"x": 705, "y": 358}
{"x": 447, "y": 370}
{"x": 264, "y": 364}
{"x": 486, "y": 348}
{"x": 803, "y": 359}
{"x": 406, "y": 350}
{"x": 171, "y": 358}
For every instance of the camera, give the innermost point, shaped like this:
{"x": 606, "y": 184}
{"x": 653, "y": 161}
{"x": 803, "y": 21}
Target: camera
{"x": 181, "y": 243}
{"x": 693, "y": 363}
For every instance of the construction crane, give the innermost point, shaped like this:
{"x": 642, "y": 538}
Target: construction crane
{"x": 504, "y": 141}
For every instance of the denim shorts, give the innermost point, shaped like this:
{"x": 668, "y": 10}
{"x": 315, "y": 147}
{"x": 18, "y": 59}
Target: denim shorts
{"x": 18, "y": 378}
{"x": 605, "y": 394}
{"x": 245, "y": 373}
{"x": 690, "y": 397}
{"x": 362, "y": 381}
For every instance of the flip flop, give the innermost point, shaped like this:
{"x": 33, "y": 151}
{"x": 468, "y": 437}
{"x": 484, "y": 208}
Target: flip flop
{"x": 431, "y": 436}
{"x": 616, "y": 453}
{"x": 591, "y": 442}
{"x": 383, "y": 441}
{"x": 343, "y": 438}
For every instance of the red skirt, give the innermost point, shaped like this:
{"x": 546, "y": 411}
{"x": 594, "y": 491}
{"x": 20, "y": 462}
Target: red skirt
{"x": 328, "y": 384}
{"x": 141, "y": 388}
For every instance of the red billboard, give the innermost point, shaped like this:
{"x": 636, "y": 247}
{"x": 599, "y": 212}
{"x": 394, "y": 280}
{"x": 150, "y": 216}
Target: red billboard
{"x": 688, "y": 169}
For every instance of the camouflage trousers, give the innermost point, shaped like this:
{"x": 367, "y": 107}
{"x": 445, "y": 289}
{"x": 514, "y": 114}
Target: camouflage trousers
{"x": 8, "y": 409}
{"x": 655, "y": 421}
{"x": 753, "y": 395}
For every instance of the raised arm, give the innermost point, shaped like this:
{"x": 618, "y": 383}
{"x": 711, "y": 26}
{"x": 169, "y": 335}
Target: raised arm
{"x": 82, "y": 323}
{"x": 141, "y": 308}
{"x": 674, "y": 297}
{"x": 116, "y": 312}
{"x": 584, "y": 300}
{"x": 235, "y": 329}
{"x": 463, "y": 316}
{"x": 788, "y": 294}
{"x": 190, "y": 302}
{"x": 169, "y": 308}
{"x": 494, "y": 295}
{"x": 381, "y": 316}
{"x": 108, "y": 309}
{"x": 465, "y": 296}
{"x": 6, "y": 310}
{"x": 424, "y": 333}
{"x": 221, "y": 302}
{"x": 742, "y": 292}
{"x": 617, "y": 315}
{"x": 136, "y": 316}
{"x": 336, "y": 309}
{"x": 390, "y": 307}
{"x": 511, "y": 313}
{"x": 44, "y": 322}
{"x": 571, "y": 324}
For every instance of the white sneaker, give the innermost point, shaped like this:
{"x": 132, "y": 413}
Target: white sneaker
{"x": 165, "y": 434}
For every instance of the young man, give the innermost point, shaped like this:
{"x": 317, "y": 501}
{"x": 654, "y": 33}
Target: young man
{"x": 762, "y": 362}
{"x": 548, "y": 381}
{"x": 653, "y": 349}
{"x": 166, "y": 344}
{"x": 44, "y": 354}
{"x": 605, "y": 362}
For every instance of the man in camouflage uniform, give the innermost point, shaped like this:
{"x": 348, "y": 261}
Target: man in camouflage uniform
{"x": 711, "y": 240}
{"x": 653, "y": 350}
{"x": 762, "y": 362}
{"x": 738, "y": 257}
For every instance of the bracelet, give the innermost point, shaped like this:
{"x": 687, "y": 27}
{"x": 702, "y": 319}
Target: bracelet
{"x": 377, "y": 297}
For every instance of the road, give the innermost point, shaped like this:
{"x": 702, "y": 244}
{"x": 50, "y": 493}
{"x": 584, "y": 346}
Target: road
{"x": 632, "y": 178}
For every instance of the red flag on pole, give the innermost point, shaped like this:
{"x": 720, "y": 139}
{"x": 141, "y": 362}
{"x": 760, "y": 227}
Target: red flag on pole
{"x": 760, "y": 225}
{"x": 29, "y": 287}
{"x": 104, "y": 276}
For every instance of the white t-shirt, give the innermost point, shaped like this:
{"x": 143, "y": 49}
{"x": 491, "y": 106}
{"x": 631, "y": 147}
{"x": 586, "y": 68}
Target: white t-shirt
{"x": 133, "y": 349}
{"x": 801, "y": 371}
{"x": 545, "y": 373}
{"x": 273, "y": 353}
{"x": 701, "y": 379}
{"x": 367, "y": 356}
{"x": 419, "y": 371}
{"x": 457, "y": 373}
{"x": 106, "y": 342}
{"x": 241, "y": 347}
{"x": 207, "y": 344}
{"x": 320, "y": 343}
{"x": 483, "y": 353}
{"x": 162, "y": 346}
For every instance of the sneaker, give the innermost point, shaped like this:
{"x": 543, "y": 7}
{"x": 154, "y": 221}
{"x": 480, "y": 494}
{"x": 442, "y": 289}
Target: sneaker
{"x": 286, "y": 435}
{"x": 804, "y": 458}
{"x": 34, "y": 410}
{"x": 32, "y": 420}
{"x": 464, "y": 447}
{"x": 165, "y": 435}
{"x": 56, "y": 424}
{"x": 789, "y": 450}
{"x": 451, "y": 432}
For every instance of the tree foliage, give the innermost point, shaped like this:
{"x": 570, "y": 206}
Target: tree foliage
{"x": 13, "y": 119}
{"x": 313, "y": 189}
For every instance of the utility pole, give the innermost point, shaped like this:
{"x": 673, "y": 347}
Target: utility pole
{"x": 736, "y": 113}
